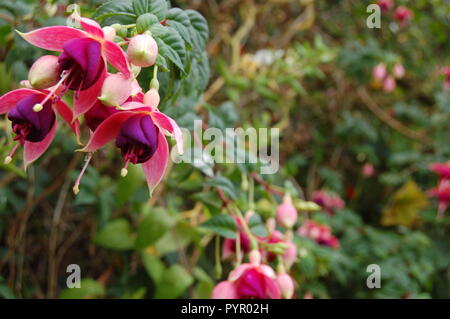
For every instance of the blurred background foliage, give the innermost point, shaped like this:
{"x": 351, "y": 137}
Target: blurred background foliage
{"x": 302, "y": 66}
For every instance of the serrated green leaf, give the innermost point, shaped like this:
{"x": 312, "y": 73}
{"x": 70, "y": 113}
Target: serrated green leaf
{"x": 157, "y": 7}
{"x": 171, "y": 46}
{"x": 199, "y": 30}
{"x": 145, "y": 21}
{"x": 115, "y": 235}
{"x": 179, "y": 20}
{"x": 222, "y": 224}
{"x": 115, "y": 11}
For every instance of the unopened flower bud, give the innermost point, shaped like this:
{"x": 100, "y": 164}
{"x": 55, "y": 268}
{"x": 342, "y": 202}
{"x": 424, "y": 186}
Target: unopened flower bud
{"x": 44, "y": 73}
{"x": 286, "y": 284}
{"x": 151, "y": 98}
{"x": 115, "y": 90}
{"x": 379, "y": 72}
{"x": 142, "y": 50}
{"x": 286, "y": 213}
{"x": 398, "y": 71}
{"x": 389, "y": 84}
{"x": 110, "y": 33}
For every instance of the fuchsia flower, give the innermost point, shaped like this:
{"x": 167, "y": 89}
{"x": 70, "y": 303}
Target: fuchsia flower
{"x": 82, "y": 62}
{"x": 321, "y": 234}
{"x": 249, "y": 281}
{"x": 379, "y": 72}
{"x": 442, "y": 194}
{"x": 398, "y": 71}
{"x": 138, "y": 130}
{"x": 34, "y": 130}
{"x": 286, "y": 284}
{"x": 368, "y": 170}
{"x": 402, "y": 14}
{"x": 442, "y": 169}
{"x": 142, "y": 50}
{"x": 329, "y": 203}
{"x": 386, "y": 5}
{"x": 389, "y": 84}
{"x": 445, "y": 71}
{"x": 286, "y": 213}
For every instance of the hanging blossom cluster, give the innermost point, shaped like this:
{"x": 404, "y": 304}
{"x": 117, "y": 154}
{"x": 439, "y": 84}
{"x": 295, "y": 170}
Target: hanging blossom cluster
{"x": 401, "y": 14}
{"x": 114, "y": 107}
{"x": 386, "y": 79}
{"x": 442, "y": 191}
{"x": 257, "y": 279}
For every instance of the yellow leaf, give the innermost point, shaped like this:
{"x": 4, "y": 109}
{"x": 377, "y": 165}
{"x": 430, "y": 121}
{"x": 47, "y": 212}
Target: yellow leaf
{"x": 404, "y": 206}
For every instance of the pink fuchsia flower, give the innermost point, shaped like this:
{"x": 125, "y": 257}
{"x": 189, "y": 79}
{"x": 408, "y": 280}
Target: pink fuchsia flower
{"x": 139, "y": 133}
{"x": 321, "y": 234}
{"x": 286, "y": 284}
{"x": 398, "y": 71}
{"x": 445, "y": 71}
{"x": 389, "y": 84}
{"x": 402, "y": 14}
{"x": 442, "y": 169}
{"x": 386, "y": 5}
{"x": 379, "y": 72}
{"x": 83, "y": 59}
{"x": 116, "y": 89}
{"x": 368, "y": 170}
{"x": 442, "y": 194}
{"x": 286, "y": 213}
{"x": 142, "y": 50}
{"x": 249, "y": 281}
{"x": 289, "y": 256}
{"x": 327, "y": 202}
{"x": 33, "y": 117}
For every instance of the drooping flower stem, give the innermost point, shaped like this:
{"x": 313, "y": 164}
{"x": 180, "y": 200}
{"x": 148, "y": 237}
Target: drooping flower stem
{"x": 218, "y": 265}
{"x": 76, "y": 186}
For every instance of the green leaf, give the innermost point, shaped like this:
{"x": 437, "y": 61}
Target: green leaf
{"x": 157, "y": 7}
{"x": 115, "y": 11}
{"x": 173, "y": 283}
{"x": 257, "y": 226}
{"x": 115, "y": 235}
{"x": 199, "y": 30}
{"x": 153, "y": 227}
{"x": 224, "y": 184}
{"x": 6, "y": 292}
{"x": 153, "y": 265}
{"x": 171, "y": 46}
{"x": 179, "y": 20}
{"x": 89, "y": 288}
{"x": 129, "y": 184}
{"x": 145, "y": 21}
{"x": 222, "y": 224}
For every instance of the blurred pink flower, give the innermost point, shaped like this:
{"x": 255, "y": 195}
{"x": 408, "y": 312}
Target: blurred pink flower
{"x": 385, "y": 5}
{"x": 379, "y": 72}
{"x": 402, "y": 14}
{"x": 442, "y": 169}
{"x": 329, "y": 203}
{"x": 389, "y": 84}
{"x": 368, "y": 170}
{"x": 286, "y": 213}
{"x": 320, "y": 233}
{"x": 249, "y": 281}
{"x": 398, "y": 71}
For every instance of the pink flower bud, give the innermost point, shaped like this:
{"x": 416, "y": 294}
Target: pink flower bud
{"x": 402, "y": 14}
{"x": 44, "y": 73}
{"x": 389, "y": 84}
{"x": 151, "y": 98}
{"x": 142, "y": 50}
{"x": 286, "y": 213}
{"x": 116, "y": 89}
{"x": 368, "y": 170}
{"x": 286, "y": 284}
{"x": 254, "y": 257}
{"x": 110, "y": 33}
{"x": 385, "y": 5}
{"x": 379, "y": 72}
{"x": 290, "y": 255}
{"x": 398, "y": 71}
